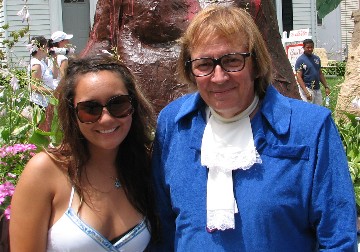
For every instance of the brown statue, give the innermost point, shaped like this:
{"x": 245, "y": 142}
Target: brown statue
{"x": 144, "y": 34}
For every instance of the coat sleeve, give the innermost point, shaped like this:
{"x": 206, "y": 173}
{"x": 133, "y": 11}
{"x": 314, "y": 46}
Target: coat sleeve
{"x": 333, "y": 207}
{"x": 162, "y": 191}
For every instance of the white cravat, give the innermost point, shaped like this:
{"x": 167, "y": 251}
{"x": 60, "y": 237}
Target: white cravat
{"x": 227, "y": 145}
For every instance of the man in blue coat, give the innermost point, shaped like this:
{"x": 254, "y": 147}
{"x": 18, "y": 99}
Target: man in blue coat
{"x": 236, "y": 165}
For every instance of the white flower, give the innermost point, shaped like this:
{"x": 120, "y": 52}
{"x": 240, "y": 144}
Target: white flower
{"x": 14, "y": 82}
{"x": 356, "y": 103}
{"x": 21, "y": 12}
{"x": 27, "y": 15}
{"x": 72, "y": 50}
{"x": 24, "y": 13}
{"x": 4, "y": 72}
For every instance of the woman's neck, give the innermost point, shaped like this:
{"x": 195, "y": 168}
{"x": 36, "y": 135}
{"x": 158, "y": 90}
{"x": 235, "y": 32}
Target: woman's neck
{"x": 39, "y": 56}
{"x": 102, "y": 156}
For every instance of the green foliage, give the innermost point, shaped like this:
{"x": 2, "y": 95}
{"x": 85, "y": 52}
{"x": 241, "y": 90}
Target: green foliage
{"x": 13, "y": 101}
{"x": 349, "y": 130}
{"x": 20, "y": 131}
{"x": 336, "y": 68}
{"x": 335, "y": 85}
{"x": 324, "y": 7}
{"x": 340, "y": 68}
{"x": 19, "y": 121}
{"x": 14, "y": 36}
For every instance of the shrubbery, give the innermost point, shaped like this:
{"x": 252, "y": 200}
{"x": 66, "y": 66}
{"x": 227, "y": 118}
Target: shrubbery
{"x": 337, "y": 68}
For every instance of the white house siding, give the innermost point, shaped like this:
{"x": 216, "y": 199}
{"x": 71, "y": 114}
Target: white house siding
{"x": 44, "y": 21}
{"x": 2, "y": 22}
{"x": 304, "y": 12}
{"x": 39, "y": 24}
{"x": 347, "y": 22}
{"x": 329, "y": 35}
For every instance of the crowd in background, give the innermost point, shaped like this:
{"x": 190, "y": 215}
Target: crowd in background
{"x": 49, "y": 59}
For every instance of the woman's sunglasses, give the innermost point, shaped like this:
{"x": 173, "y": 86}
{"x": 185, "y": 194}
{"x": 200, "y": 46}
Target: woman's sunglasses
{"x": 90, "y": 111}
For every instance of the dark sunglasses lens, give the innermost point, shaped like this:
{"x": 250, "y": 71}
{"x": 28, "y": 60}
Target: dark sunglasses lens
{"x": 89, "y": 111}
{"x": 120, "y": 106}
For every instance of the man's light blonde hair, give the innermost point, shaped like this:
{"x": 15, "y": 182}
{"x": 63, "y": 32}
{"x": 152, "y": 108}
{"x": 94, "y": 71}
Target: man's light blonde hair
{"x": 236, "y": 26}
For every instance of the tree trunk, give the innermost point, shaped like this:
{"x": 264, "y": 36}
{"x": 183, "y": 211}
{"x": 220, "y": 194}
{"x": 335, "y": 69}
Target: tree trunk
{"x": 350, "y": 88}
{"x": 144, "y": 34}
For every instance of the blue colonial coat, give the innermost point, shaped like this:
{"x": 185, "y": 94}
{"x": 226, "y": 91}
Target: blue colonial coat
{"x": 301, "y": 197}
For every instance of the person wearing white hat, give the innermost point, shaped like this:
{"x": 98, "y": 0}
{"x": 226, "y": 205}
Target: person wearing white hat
{"x": 59, "y": 36}
{"x": 60, "y": 47}
{"x": 42, "y": 75}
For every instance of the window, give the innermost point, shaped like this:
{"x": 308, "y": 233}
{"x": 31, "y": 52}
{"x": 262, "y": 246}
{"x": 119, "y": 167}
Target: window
{"x": 319, "y": 20}
{"x": 287, "y": 15}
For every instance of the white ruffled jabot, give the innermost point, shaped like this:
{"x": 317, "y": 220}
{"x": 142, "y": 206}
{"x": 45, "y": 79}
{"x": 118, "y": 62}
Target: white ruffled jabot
{"x": 227, "y": 145}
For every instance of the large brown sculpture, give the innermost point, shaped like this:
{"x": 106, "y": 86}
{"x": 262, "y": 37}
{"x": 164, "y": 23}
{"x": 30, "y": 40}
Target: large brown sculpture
{"x": 144, "y": 34}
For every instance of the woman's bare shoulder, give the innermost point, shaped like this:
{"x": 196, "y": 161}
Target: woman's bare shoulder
{"x": 42, "y": 167}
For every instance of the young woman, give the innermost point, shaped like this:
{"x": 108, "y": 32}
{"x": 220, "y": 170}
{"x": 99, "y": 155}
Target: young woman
{"x": 60, "y": 42}
{"x": 42, "y": 76}
{"x": 93, "y": 192}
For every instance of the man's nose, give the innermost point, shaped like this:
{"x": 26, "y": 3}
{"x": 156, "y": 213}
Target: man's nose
{"x": 219, "y": 74}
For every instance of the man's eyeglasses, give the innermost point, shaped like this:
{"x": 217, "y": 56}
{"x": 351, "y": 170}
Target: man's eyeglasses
{"x": 90, "y": 111}
{"x": 232, "y": 62}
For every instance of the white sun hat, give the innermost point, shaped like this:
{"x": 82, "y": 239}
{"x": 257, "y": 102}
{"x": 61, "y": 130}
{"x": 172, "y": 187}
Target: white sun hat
{"x": 60, "y": 36}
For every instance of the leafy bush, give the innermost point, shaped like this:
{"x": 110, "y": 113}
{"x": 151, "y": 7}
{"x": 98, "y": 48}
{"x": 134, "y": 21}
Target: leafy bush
{"x": 335, "y": 85}
{"x": 349, "y": 130}
{"x": 19, "y": 121}
{"x": 19, "y": 126}
{"x": 340, "y": 68}
{"x": 337, "y": 69}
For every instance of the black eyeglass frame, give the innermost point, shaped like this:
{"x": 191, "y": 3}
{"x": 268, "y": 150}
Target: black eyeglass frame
{"x": 216, "y": 62}
{"x": 105, "y": 106}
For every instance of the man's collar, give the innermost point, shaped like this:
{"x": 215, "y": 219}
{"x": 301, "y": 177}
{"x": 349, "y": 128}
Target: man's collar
{"x": 275, "y": 108}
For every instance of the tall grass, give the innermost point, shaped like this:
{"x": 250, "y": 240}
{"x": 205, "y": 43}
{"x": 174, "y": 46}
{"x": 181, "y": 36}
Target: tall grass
{"x": 335, "y": 85}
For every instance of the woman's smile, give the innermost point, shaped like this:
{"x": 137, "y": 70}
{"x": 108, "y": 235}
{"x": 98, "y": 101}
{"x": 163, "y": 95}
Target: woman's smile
{"x": 107, "y": 131}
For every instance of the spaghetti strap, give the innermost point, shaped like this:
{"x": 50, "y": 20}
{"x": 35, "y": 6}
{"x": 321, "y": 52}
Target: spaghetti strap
{"x": 71, "y": 196}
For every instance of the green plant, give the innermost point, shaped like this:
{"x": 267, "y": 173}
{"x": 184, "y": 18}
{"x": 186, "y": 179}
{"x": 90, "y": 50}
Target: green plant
{"x": 349, "y": 130}
{"x": 13, "y": 101}
{"x": 19, "y": 122}
{"x": 337, "y": 69}
{"x": 340, "y": 68}
{"x": 335, "y": 85}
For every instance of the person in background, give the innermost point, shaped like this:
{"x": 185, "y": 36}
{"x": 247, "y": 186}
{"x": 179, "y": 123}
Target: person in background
{"x": 236, "y": 165}
{"x": 42, "y": 76}
{"x": 309, "y": 75}
{"x": 93, "y": 192}
{"x": 60, "y": 48}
